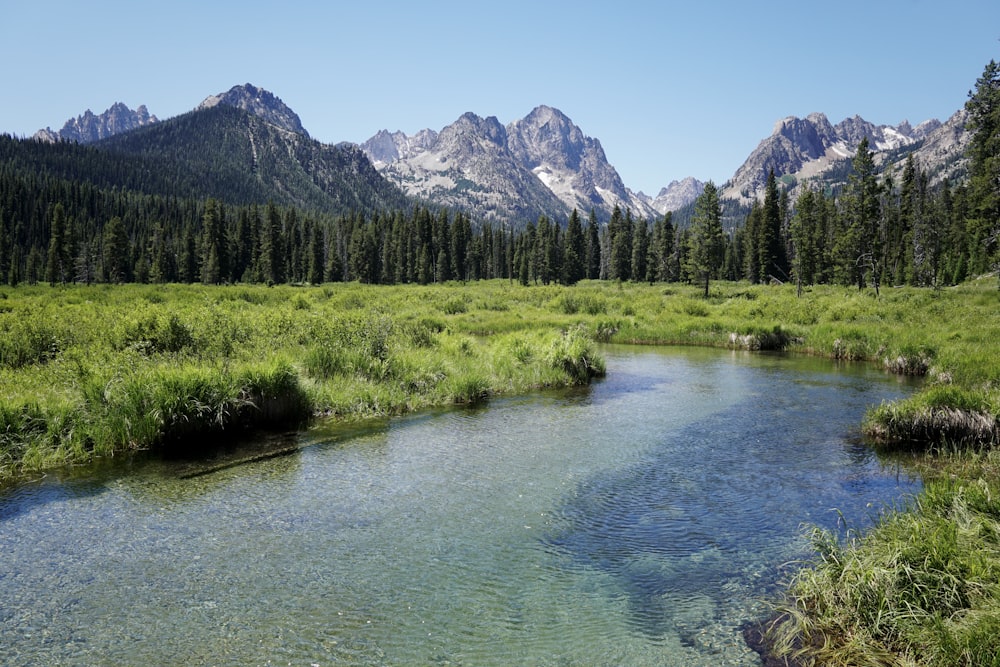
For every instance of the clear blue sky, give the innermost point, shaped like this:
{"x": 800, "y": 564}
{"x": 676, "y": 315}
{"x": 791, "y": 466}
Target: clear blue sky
{"x": 670, "y": 89}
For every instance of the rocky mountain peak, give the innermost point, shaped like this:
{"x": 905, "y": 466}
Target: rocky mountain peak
{"x": 383, "y": 148}
{"x": 259, "y": 102}
{"x": 547, "y": 135}
{"x": 809, "y": 136}
{"x": 677, "y": 195}
{"x": 543, "y": 161}
{"x": 805, "y": 148}
{"x": 89, "y": 127}
{"x": 474, "y": 127}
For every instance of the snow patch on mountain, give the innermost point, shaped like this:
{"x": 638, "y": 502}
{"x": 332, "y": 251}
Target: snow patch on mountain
{"x": 545, "y": 162}
{"x": 806, "y": 148}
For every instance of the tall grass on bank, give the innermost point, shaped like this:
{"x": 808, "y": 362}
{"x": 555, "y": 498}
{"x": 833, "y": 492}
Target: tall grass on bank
{"x": 362, "y": 350}
{"x": 943, "y": 417}
{"x": 149, "y": 406}
{"x": 922, "y": 588}
{"x": 91, "y": 371}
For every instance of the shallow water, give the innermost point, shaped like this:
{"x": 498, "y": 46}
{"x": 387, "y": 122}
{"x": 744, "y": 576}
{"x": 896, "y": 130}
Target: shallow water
{"x": 637, "y": 522}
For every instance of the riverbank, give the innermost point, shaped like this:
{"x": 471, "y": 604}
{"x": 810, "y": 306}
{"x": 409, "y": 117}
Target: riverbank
{"x": 89, "y": 372}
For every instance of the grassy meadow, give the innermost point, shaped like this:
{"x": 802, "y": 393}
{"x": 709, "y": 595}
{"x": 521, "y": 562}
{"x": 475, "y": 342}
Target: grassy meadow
{"x": 89, "y": 372}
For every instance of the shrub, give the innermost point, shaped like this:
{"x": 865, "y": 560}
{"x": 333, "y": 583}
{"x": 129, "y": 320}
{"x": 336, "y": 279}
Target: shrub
{"x": 471, "y": 389}
{"x": 853, "y": 346}
{"x": 695, "y": 308}
{"x": 454, "y": 306}
{"x": 154, "y": 333}
{"x": 761, "y": 339}
{"x": 573, "y": 353}
{"x": 568, "y": 304}
{"x": 28, "y": 341}
{"x": 604, "y": 330}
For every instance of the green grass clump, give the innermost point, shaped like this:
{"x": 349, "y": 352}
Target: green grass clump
{"x": 942, "y": 417}
{"x": 575, "y": 353}
{"x": 922, "y": 588}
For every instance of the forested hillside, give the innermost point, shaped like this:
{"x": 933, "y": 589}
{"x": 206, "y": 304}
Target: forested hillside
{"x": 219, "y": 195}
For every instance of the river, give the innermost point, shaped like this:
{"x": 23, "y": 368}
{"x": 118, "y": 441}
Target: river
{"x": 638, "y": 521}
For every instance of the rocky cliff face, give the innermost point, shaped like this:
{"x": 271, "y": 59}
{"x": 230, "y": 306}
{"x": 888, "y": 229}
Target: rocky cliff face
{"x": 88, "y": 127}
{"x": 571, "y": 165}
{"x": 942, "y": 152}
{"x": 804, "y": 148}
{"x": 260, "y": 103}
{"x": 676, "y": 195}
{"x": 541, "y": 164}
{"x": 467, "y": 165}
{"x": 387, "y": 147}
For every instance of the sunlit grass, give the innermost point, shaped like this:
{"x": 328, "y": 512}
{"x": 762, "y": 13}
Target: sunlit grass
{"x": 921, "y": 588}
{"x": 88, "y": 372}
{"x": 360, "y": 350}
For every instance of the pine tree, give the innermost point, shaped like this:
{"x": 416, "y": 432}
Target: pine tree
{"x": 705, "y": 240}
{"x": 858, "y": 244}
{"x": 770, "y": 245}
{"x": 621, "y": 231}
{"x": 573, "y": 269}
{"x": 256, "y": 240}
{"x": 58, "y": 265}
{"x": 460, "y": 237}
{"x": 751, "y": 240}
{"x": 315, "y": 273}
{"x": 592, "y": 260}
{"x": 271, "y": 259}
{"x": 33, "y": 265}
{"x": 983, "y": 106}
{"x": 955, "y": 251}
{"x": 85, "y": 262}
{"x": 241, "y": 247}
{"x": 5, "y": 248}
{"x": 640, "y": 250}
{"x": 187, "y": 265}
{"x": 116, "y": 250}
{"x": 661, "y": 249}
{"x": 804, "y": 259}
{"x": 161, "y": 270}
{"x": 333, "y": 270}
{"x": 212, "y": 244}
{"x": 14, "y": 271}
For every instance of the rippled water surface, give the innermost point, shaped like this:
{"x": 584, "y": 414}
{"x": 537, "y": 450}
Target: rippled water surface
{"x": 636, "y": 522}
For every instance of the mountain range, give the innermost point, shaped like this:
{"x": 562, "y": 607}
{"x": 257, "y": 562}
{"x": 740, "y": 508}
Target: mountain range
{"x": 88, "y": 128}
{"x": 542, "y": 164}
{"x": 241, "y": 147}
{"x": 812, "y": 150}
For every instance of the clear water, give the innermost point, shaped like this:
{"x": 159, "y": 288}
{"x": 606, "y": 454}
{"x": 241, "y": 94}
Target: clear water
{"x": 637, "y": 522}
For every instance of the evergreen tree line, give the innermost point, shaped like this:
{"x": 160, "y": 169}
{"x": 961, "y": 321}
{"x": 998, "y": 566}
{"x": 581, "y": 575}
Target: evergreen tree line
{"x": 875, "y": 232}
{"x": 880, "y": 229}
